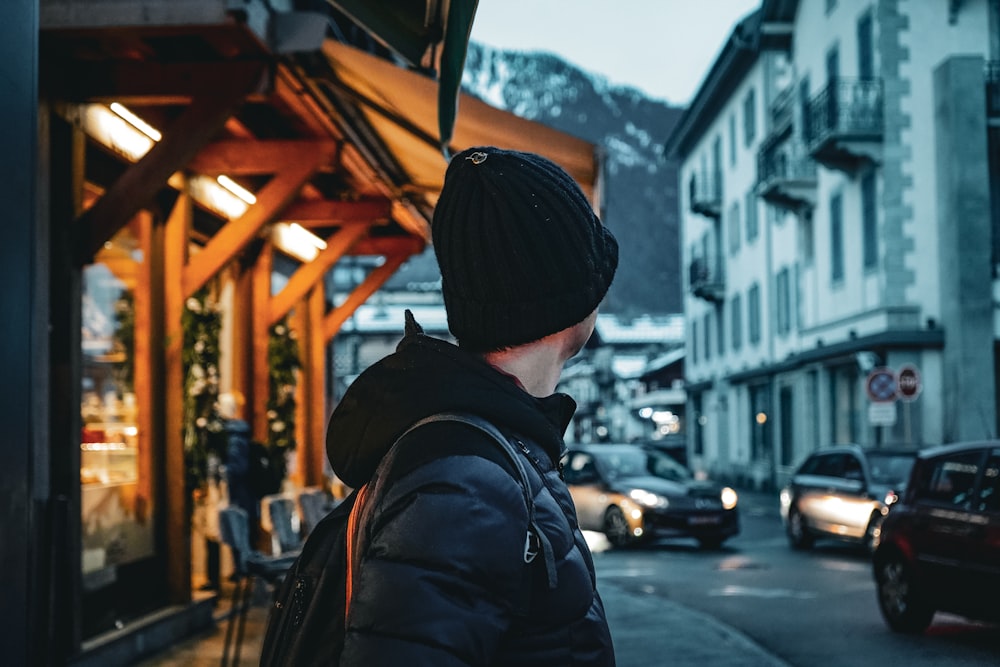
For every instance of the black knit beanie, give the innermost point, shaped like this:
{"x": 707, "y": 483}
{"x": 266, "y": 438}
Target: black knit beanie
{"x": 521, "y": 251}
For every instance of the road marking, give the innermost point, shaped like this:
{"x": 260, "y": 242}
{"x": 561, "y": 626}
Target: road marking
{"x": 769, "y": 593}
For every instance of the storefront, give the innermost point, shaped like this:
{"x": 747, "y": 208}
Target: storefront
{"x": 156, "y": 155}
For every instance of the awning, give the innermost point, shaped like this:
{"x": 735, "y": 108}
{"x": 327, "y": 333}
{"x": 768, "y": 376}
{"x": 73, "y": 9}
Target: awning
{"x": 401, "y": 107}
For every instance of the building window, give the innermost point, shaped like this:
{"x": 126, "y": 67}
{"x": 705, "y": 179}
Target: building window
{"x": 732, "y": 139}
{"x": 783, "y": 305}
{"x": 751, "y": 214}
{"x": 869, "y": 220}
{"x": 866, "y": 67}
{"x": 806, "y": 117}
{"x": 799, "y": 315}
{"x": 753, "y": 313}
{"x": 720, "y": 336}
{"x": 734, "y": 228}
{"x": 806, "y": 244}
{"x": 707, "y": 326}
{"x": 736, "y": 321}
{"x": 749, "y": 118}
{"x": 836, "y": 238}
{"x": 694, "y": 341}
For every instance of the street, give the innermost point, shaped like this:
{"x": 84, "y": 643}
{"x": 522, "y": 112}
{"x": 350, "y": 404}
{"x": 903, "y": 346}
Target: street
{"x": 811, "y": 609}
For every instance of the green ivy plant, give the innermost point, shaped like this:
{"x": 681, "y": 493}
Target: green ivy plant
{"x": 283, "y": 365}
{"x": 201, "y": 323}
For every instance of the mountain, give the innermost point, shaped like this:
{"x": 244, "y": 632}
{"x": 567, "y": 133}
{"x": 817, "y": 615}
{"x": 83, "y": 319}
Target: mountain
{"x": 640, "y": 188}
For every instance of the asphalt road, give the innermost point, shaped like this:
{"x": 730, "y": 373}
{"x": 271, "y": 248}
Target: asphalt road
{"x": 757, "y": 602}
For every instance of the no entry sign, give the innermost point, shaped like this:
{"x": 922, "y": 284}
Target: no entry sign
{"x": 909, "y": 382}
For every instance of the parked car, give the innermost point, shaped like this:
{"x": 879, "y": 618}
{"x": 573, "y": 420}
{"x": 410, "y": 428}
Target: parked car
{"x": 939, "y": 548}
{"x": 633, "y": 493}
{"x": 843, "y": 492}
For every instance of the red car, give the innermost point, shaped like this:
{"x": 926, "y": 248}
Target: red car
{"x": 939, "y": 547}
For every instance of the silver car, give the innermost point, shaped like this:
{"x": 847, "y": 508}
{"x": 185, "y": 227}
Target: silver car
{"x": 843, "y": 492}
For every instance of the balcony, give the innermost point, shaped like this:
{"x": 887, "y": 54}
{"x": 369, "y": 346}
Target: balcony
{"x": 707, "y": 279}
{"x": 786, "y": 173}
{"x": 843, "y": 128}
{"x": 706, "y": 195}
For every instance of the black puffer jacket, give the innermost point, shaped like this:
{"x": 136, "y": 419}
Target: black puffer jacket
{"x": 442, "y": 579}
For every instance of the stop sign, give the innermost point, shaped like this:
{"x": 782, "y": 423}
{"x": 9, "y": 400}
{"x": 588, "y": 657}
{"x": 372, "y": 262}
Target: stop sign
{"x": 909, "y": 383}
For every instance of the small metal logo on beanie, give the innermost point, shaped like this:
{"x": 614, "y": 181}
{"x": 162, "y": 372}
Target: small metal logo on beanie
{"x": 478, "y": 157}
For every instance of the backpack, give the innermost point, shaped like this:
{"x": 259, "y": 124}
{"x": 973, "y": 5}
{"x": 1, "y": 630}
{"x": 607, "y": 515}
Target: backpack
{"x": 305, "y": 625}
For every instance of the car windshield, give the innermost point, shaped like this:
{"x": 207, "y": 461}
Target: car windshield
{"x": 890, "y": 469}
{"x": 641, "y": 463}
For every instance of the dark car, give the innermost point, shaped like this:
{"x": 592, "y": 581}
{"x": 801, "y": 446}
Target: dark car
{"x": 632, "y": 494}
{"x": 939, "y": 548}
{"x": 843, "y": 492}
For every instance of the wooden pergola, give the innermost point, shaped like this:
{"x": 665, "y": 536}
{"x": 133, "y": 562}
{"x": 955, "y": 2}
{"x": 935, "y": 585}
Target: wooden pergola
{"x": 343, "y": 142}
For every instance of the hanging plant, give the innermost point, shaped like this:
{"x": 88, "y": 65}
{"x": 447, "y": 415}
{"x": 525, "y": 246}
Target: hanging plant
{"x": 283, "y": 364}
{"x": 123, "y": 343}
{"x": 201, "y": 323}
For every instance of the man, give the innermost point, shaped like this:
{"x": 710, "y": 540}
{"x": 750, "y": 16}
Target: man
{"x": 442, "y": 578}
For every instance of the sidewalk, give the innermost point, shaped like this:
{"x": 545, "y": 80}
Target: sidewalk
{"x": 688, "y": 637}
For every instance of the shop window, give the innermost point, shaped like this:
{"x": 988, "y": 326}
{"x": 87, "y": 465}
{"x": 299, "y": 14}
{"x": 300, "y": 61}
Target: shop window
{"x": 117, "y": 505}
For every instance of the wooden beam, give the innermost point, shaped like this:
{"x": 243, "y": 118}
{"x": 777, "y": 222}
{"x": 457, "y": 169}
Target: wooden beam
{"x": 136, "y": 188}
{"x": 336, "y": 318}
{"x": 314, "y": 377}
{"x": 239, "y": 156}
{"x": 234, "y": 235}
{"x": 388, "y": 246}
{"x": 178, "y": 533}
{"x": 259, "y": 339}
{"x": 299, "y": 321}
{"x": 326, "y": 213}
{"x": 312, "y": 273}
{"x": 138, "y": 82}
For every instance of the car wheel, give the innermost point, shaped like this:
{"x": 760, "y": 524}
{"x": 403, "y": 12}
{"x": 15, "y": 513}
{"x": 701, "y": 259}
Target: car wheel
{"x": 799, "y": 536}
{"x": 616, "y": 527}
{"x": 899, "y": 596}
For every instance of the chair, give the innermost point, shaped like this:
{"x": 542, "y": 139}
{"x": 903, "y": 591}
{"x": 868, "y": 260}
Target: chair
{"x": 282, "y": 513}
{"x": 314, "y": 504}
{"x": 234, "y": 529}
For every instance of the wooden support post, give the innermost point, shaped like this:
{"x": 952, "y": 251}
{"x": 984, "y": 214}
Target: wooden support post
{"x": 145, "y": 303}
{"x": 314, "y": 378}
{"x": 177, "y": 509}
{"x": 242, "y": 340}
{"x": 299, "y": 321}
{"x": 259, "y": 339}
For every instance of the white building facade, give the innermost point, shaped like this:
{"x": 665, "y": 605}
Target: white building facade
{"x": 838, "y": 233}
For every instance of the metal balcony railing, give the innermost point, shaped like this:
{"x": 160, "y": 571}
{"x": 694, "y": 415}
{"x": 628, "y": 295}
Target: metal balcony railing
{"x": 706, "y": 194}
{"x": 845, "y": 109}
{"x": 786, "y": 172}
{"x": 707, "y": 279}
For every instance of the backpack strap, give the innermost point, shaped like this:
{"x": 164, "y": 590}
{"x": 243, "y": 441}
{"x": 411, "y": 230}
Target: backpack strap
{"x": 535, "y": 540}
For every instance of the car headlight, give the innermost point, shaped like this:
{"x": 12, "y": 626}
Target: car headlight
{"x": 728, "y": 498}
{"x": 648, "y": 498}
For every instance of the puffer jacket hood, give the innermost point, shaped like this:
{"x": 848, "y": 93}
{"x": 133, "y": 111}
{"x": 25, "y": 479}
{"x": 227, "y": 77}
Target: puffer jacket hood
{"x": 425, "y": 376}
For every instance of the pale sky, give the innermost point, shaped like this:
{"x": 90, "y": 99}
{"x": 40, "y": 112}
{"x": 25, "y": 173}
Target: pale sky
{"x": 662, "y": 47}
